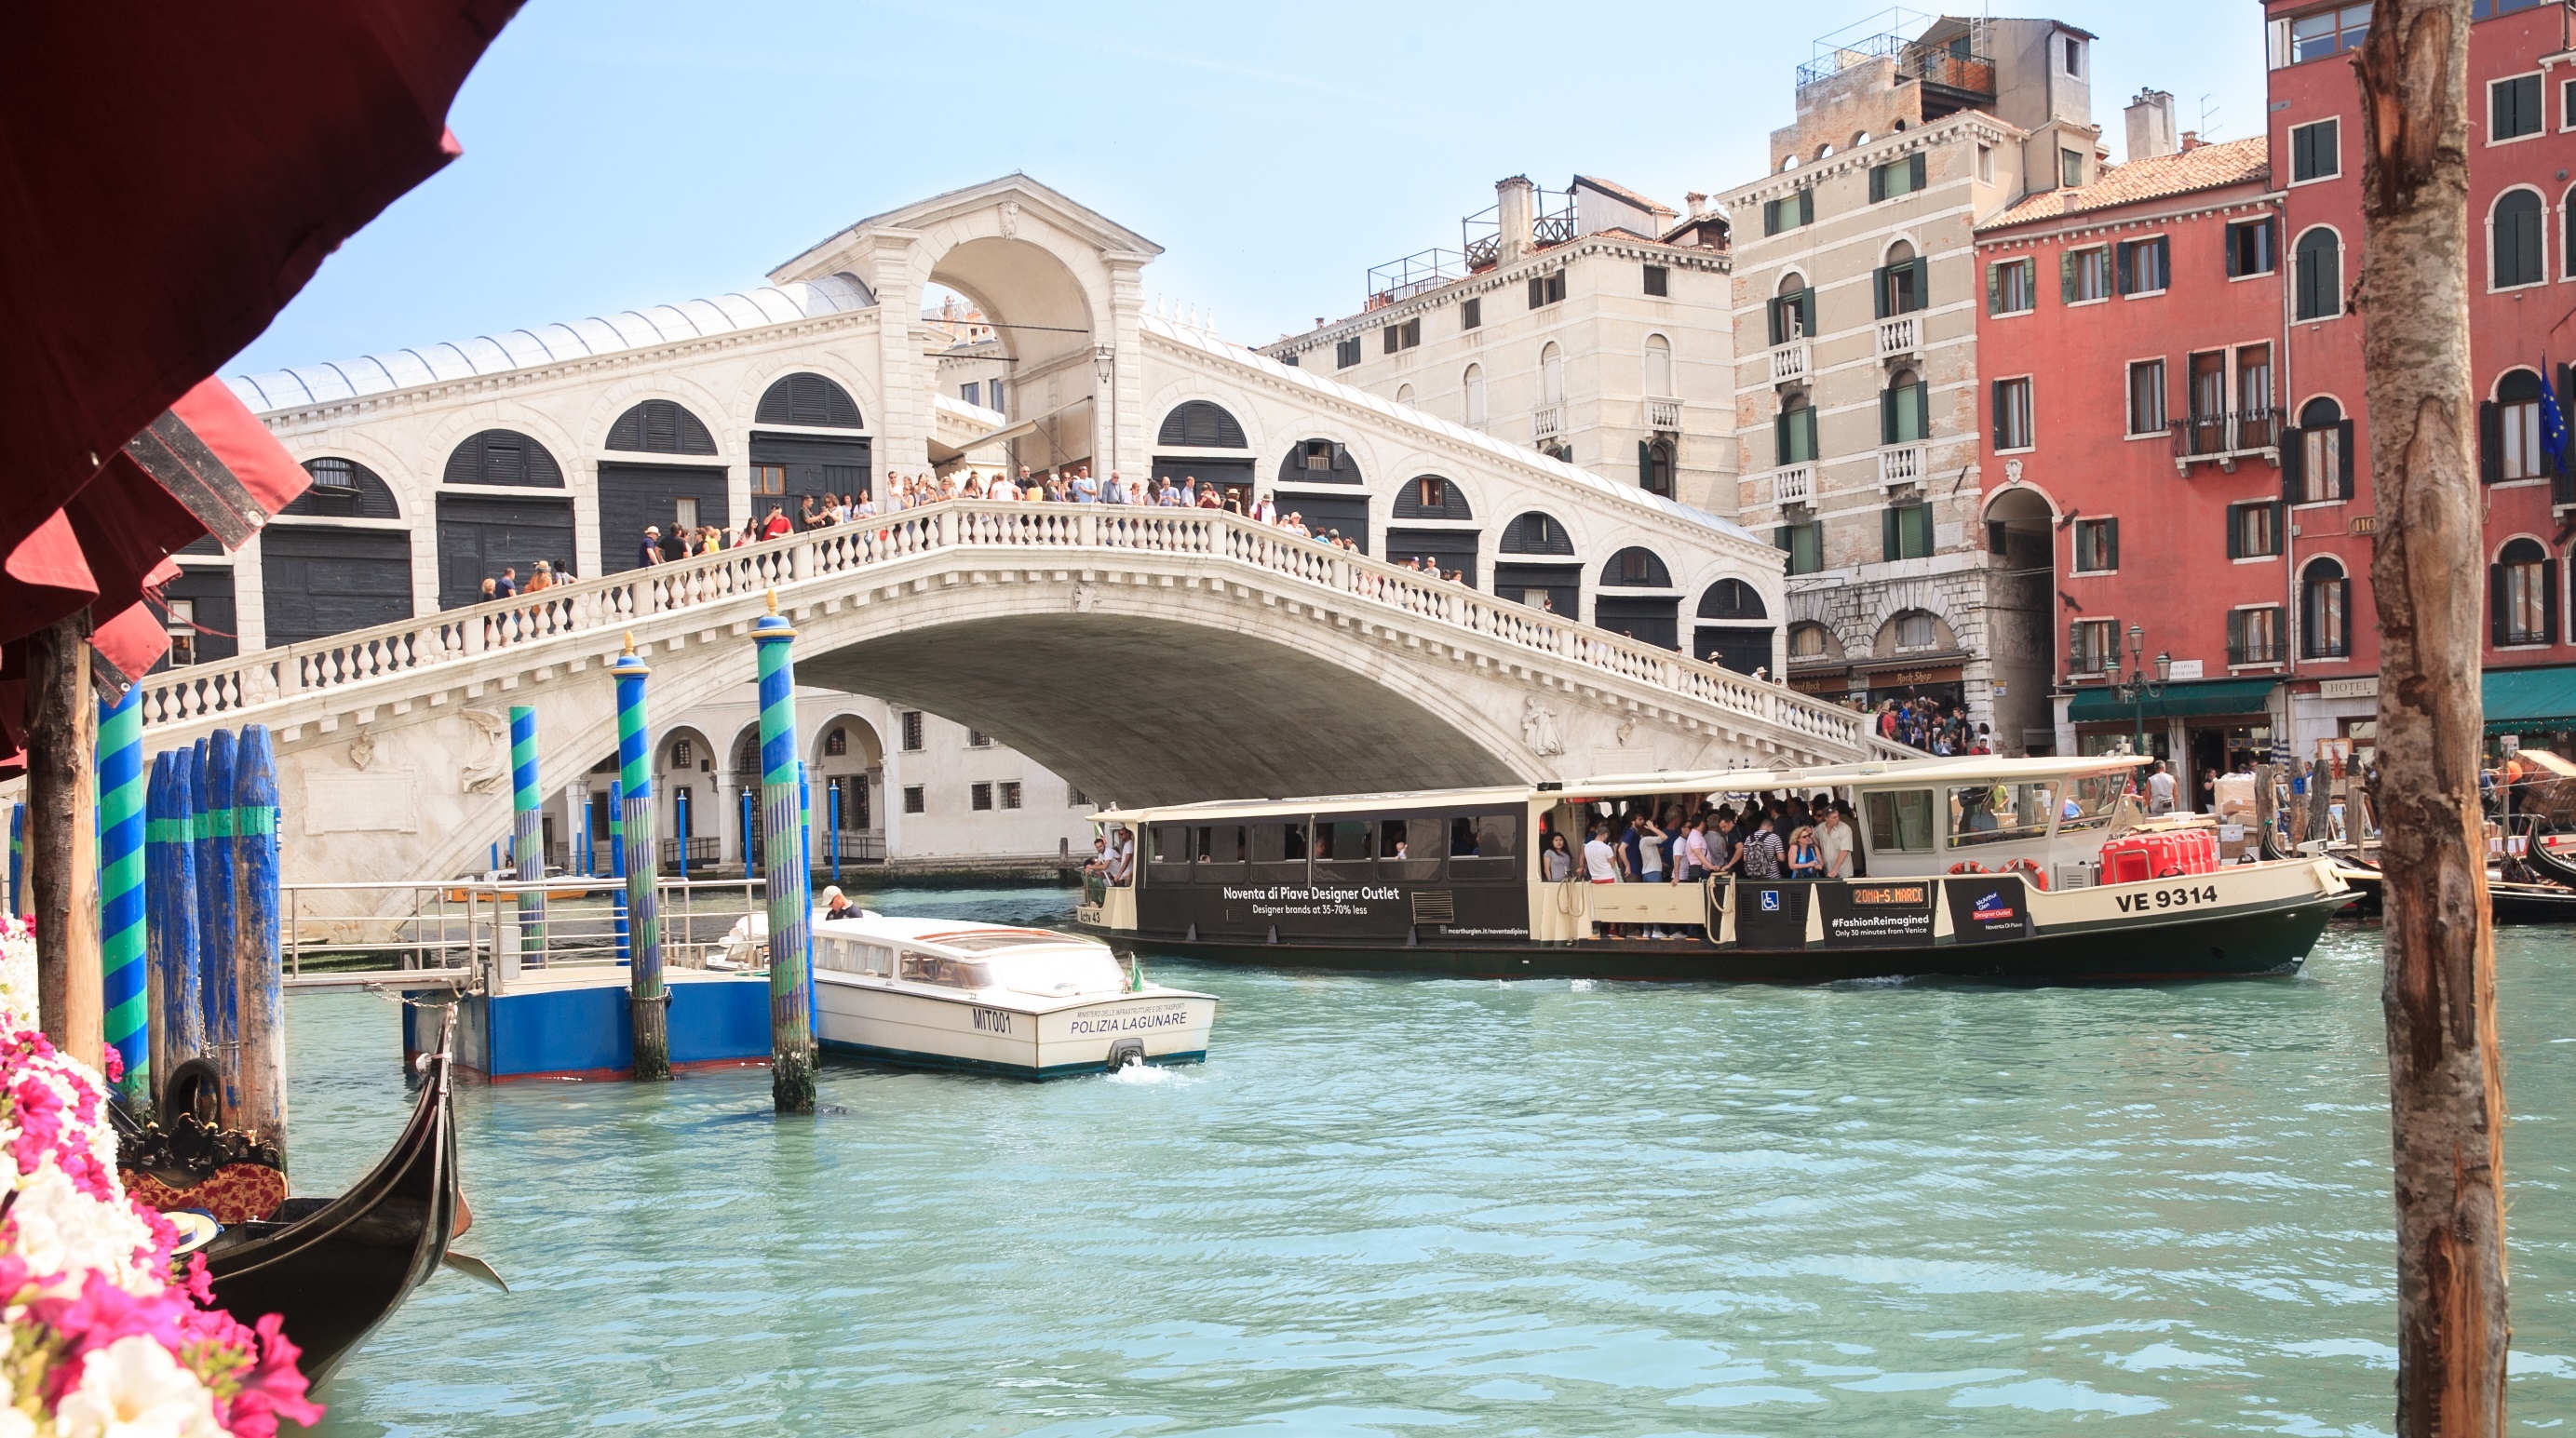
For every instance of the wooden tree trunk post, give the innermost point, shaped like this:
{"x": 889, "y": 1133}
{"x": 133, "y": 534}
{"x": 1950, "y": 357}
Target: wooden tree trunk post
{"x": 2445, "y": 1076}
{"x": 640, "y": 924}
{"x": 257, "y": 977}
{"x": 62, "y": 835}
{"x": 791, "y": 914}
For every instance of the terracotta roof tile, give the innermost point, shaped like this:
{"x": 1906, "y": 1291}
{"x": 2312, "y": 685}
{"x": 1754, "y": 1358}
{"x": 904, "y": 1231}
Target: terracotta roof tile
{"x": 2204, "y": 167}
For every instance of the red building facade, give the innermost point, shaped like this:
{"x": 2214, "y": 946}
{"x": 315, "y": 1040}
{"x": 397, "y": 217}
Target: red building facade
{"x": 2176, "y": 397}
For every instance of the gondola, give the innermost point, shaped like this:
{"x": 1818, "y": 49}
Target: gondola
{"x": 2509, "y": 901}
{"x": 335, "y": 1268}
{"x": 2547, "y": 862}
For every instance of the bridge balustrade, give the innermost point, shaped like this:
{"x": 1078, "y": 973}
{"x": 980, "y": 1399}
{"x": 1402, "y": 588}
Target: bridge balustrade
{"x": 602, "y": 607}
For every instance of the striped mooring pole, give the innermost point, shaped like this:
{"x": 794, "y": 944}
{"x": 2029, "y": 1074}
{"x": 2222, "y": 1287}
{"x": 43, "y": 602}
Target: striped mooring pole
{"x": 124, "y": 998}
{"x": 617, "y": 864}
{"x": 17, "y": 859}
{"x": 258, "y": 1067}
{"x": 791, "y": 916}
{"x": 170, "y": 872}
{"x": 216, "y": 919}
{"x": 527, "y": 832}
{"x": 648, "y": 1002}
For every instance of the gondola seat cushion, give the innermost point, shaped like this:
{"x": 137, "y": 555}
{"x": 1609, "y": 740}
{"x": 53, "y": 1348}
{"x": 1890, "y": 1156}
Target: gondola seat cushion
{"x": 236, "y": 1193}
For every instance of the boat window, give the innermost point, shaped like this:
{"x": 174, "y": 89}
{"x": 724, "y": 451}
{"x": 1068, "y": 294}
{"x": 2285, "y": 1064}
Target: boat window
{"x": 1279, "y": 850}
{"x": 985, "y": 941}
{"x": 1342, "y": 843}
{"x": 1997, "y": 814}
{"x": 842, "y": 956}
{"x": 946, "y": 973}
{"x": 1481, "y": 846}
{"x": 1169, "y": 860}
{"x": 1220, "y": 853}
{"x": 2090, "y": 800}
{"x": 1900, "y": 822}
{"x": 1409, "y": 848}
{"x": 1059, "y": 975}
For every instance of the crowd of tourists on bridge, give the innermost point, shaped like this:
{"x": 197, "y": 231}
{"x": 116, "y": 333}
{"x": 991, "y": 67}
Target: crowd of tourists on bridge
{"x": 1925, "y": 723}
{"x": 1773, "y": 836}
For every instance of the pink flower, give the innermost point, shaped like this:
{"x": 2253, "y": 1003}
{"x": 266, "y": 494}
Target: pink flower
{"x": 271, "y": 1388}
{"x": 114, "y": 1063}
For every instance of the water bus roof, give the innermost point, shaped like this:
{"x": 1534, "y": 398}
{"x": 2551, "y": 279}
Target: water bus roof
{"x": 1871, "y": 774}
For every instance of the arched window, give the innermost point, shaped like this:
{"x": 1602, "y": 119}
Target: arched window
{"x": 1551, "y": 375}
{"x": 658, "y": 426}
{"x": 1825, "y": 151}
{"x": 1201, "y": 425}
{"x": 2319, "y": 463}
{"x": 2522, "y": 594}
{"x": 1732, "y": 599}
{"x": 1655, "y": 466}
{"x": 1916, "y": 629}
{"x": 1659, "y": 366}
{"x": 503, "y": 456}
{"x": 2509, "y": 430}
{"x": 1904, "y": 409}
{"x": 1318, "y": 461}
{"x": 1860, "y": 139}
{"x": 2325, "y": 610}
{"x": 342, "y": 489}
{"x": 2516, "y": 249}
{"x": 1474, "y": 385}
{"x": 1404, "y": 395}
{"x": 1792, "y": 310}
{"x": 2316, "y": 268}
{"x": 1809, "y": 641}
{"x": 1788, "y": 162}
{"x": 808, "y": 399}
{"x": 1536, "y": 533}
{"x": 1901, "y": 283}
{"x": 1636, "y": 568}
{"x": 1431, "y": 496}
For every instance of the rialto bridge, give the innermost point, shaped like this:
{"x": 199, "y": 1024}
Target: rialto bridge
{"x": 1143, "y": 654}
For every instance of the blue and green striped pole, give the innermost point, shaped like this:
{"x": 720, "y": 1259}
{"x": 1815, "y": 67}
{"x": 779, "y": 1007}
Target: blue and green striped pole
{"x": 124, "y": 1000}
{"x": 791, "y": 915}
{"x": 527, "y": 833}
{"x": 617, "y": 864}
{"x": 640, "y": 929}
{"x": 215, "y": 924}
{"x": 17, "y": 859}
{"x": 258, "y": 1070}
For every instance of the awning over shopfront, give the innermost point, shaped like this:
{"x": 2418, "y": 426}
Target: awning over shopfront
{"x": 2179, "y": 701}
{"x": 2533, "y": 701}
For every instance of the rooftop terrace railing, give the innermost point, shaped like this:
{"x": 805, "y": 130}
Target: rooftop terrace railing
{"x": 394, "y": 661}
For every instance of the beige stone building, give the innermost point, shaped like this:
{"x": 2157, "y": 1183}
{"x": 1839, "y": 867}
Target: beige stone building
{"x": 1858, "y": 394}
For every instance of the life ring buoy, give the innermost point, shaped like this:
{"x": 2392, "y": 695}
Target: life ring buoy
{"x": 2037, "y": 876}
{"x": 1968, "y": 866}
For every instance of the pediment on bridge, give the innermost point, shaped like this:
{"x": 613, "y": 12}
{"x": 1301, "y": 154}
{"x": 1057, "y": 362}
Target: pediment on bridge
{"x": 1011, "y": 200}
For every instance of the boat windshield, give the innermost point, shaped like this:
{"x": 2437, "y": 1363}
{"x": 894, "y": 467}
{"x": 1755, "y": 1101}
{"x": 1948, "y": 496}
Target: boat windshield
{"x": 1058, "y": 975}
{"x": 945, "y": 973}
{"x": 2090, "y": 800}
{"x": 1999, "y": 813}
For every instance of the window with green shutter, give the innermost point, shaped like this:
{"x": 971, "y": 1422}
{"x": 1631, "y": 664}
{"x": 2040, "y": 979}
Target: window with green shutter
{"x": 1901, "y": 286}
{"x": 2513, "y": 107}
{"x": 2085, "y": 274}
{"x": 2009, "y": 290}
{"x": 2097, "y": 546}
{"x": 1789, "y": 212}
{"x": 1905, "y": 531}
{"x": 1793, "y": 316}
{"x": 1902, "y": 410}
{"x": 1804, "y": 544}
{"x": 1896, "y": 177}
{"x": 1794, "y": 434}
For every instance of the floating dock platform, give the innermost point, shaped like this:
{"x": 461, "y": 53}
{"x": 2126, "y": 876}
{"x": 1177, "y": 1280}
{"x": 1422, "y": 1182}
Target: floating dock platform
{"x": 572, "y": 1023}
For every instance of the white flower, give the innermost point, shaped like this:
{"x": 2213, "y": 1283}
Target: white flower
{"x": 133, "y": 1388}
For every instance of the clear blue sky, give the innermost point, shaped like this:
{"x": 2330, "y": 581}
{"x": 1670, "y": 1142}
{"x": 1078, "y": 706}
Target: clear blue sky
{"x": 629, "y": 153}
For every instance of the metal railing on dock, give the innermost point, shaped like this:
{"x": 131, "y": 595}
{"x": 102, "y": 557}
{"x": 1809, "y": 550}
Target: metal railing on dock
{"x": 470, "y": 934}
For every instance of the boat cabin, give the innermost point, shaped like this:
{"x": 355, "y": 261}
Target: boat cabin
{"x": 968, "y": 958}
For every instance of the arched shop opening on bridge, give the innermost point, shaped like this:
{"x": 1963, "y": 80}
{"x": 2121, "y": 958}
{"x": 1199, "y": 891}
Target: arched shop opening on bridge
{"x": 501, "y": 505}
{"x": 1535, "y": 564}
{"x": 1202, "y": 441}
{"x": 337, "y": 558}
{"x": 1437, "y": 524}
{"x": 1321, "y": 484}
{"x": 1637, "y": 598}
{"x": 1733, "y": 629}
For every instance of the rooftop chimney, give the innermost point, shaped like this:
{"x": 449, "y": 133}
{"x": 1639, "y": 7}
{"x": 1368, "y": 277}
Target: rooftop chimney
{"x": 1514, "y": 208}
{"x": 2151, "y": 125}
{"x": 2191, "y": 140}
{"x": 1698, "y": 205}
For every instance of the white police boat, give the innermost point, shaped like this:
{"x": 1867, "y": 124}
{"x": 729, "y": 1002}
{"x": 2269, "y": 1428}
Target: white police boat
{"x": 1031, "y": 1003}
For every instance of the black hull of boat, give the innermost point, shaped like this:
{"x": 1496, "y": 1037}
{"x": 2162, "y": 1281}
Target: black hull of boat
{"x": 337, "y": 1273}
{"x": 2548, "y": 863}
{"x": 2508, "y": 903}
{"x": 2245, "y": 944}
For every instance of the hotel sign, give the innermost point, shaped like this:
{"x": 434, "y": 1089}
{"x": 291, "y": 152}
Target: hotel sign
{"x": 2349, "y": 688}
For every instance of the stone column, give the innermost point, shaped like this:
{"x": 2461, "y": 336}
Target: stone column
{"x": 904, "y": 377}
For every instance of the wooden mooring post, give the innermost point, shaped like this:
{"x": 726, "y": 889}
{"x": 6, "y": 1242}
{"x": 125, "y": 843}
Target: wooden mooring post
{"x": 62, "y": 835}
{"x": 256, "y": 1069}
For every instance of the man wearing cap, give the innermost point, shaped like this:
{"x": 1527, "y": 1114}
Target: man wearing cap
{"x": 650, "y": 551}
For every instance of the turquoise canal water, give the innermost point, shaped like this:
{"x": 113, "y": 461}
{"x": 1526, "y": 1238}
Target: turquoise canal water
{"x": 1403, "y": 1206}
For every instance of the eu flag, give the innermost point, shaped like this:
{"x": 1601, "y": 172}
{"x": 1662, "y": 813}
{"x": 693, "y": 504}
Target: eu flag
{"x": 2553, "y": 423}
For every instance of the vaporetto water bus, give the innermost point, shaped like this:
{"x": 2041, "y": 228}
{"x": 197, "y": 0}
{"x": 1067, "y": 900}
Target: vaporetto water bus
{"x": 1030, "y": 1003}
{"x": 1980, "y": 867}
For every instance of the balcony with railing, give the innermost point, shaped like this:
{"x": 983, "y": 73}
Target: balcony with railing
{"x": 2224, "y": 437}
{"x": 1399, "y": 280}
{"x": 1899, "y": 335}
{"x": 1900, "y": 465}
{"x": 1552, "y": 222}
{"x": 1791, "y": 361}
{"x": 2255, "y": 649}
{"x": 1794, "y": 485}
{"x": 1547, "y": 423}
{"x": 1951, "y": 55}
{"x": 1664, "y": 414}
{"x": 2562, "y": 490}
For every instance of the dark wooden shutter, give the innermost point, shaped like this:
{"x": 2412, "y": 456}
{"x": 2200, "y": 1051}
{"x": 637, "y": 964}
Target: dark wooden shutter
{"x": 1994, "y": 289}
{"x": 1914, "y": 169}
{"x": 1889, "y": 545}
{"x": 1780, "y": 438}
{"x": 2111, "y": 542}
{"x": 1887, "y": 416}
{"x": 2549, "y": 601}
{"x": 2343, "y": 606}
{"x": 2343, "y": 459}
{"x": 1922, "y": 282}
{"x": 1537, "y": 292}
{"x": 2236, "y": 531}
{"x": 1878, "y": 288}
{"x": 2294, "y": 463}
{"x": 1779, "y": 321}
{"x": 2495, "y": 605}
{"x": 1877, "y": 183}
{"x": 2066, "y": 277}
{"x": 2490, "y": 441}
{"x": 2235, "y": 242}
{"x": 2123, "y": 256}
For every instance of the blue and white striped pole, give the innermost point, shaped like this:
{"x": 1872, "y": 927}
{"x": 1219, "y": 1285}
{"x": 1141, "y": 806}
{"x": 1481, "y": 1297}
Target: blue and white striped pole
{"x": 258, "y": 1070}
{"x": 125, "y": 1001}
{"x": 527, "y": 833}
{"x": 832, "y": 819}
{"x": 791, "y": 914}
{"x": 648, "y": 1003}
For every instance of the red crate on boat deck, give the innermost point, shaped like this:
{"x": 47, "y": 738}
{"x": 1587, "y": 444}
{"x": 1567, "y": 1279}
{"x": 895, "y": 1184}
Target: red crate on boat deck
{"x": 2127, "y": 861}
